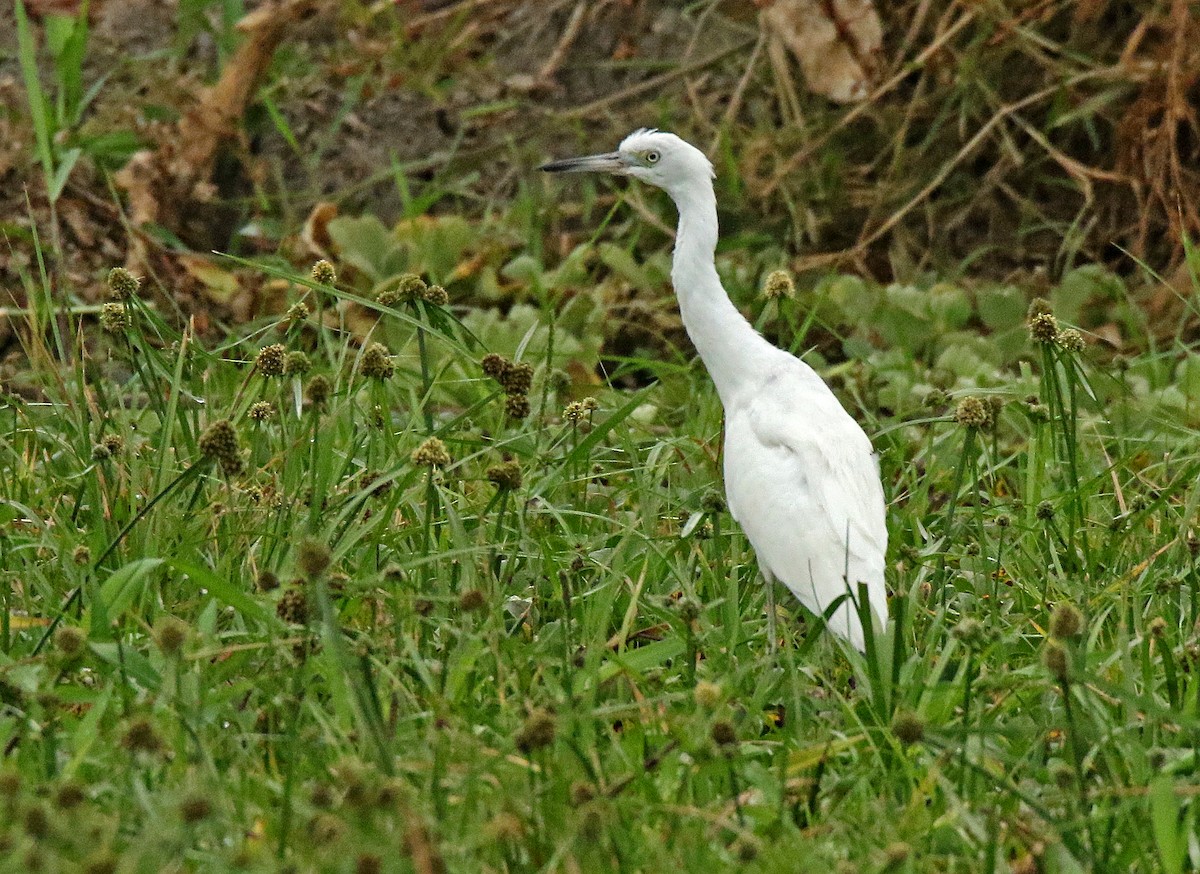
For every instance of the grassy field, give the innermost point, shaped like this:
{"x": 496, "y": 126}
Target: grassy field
{"x": 387, "y": 577}
{"x": 339, "y": 606}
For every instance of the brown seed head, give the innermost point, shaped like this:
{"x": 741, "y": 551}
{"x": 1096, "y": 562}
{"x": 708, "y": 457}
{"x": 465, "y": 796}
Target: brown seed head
{"x": 122, "y": 285}
{"x": 377, "y": 362}
{"x": 219, "y": 442}
{"x": 113, "y": 317}
{"x": 537, "y": 732}
{"x": 324, "y": 273}
{"x": 506, "y": 476}
{"x": 908, "y": 727}
{"x": 170, "y": 635}
{"x": 723, "y": 733}
{"x": 270, "y": 360}
{"x": 494, "y": 365}
{"x": 1056, "y": 660}
{"x": 313, "y": 558}
{"x": 261, "y": 411}
{"x": 70, "y": 641}
{"x": 1066, "y": 622}
{"x": 296, "y": 363}
{"x": 318, "y": 391}
{"x": 517, "y": 406}
{"x": 1043, "y": 328}
{"x": 972, "y": 412}
{"x": 431, "y": 453}
{"x": 779, "y": 284}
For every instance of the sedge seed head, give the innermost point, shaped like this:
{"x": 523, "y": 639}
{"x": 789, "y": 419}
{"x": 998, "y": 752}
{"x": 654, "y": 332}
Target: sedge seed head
{"x": 318, "y": 391}
{"x": 70, "y": 641}
{"x": 82, "y": 554}
{"x": 261, "y": 411}
{"x": 292, "y": 607}
{"x": 313, "y": 558}
{"x": 1066, "y": 622}
{"x": 220, "y": 442}
{"x": 270, "y": 359}
{"x": 972, "y": 412}
{"x": 411, "y": 287}
{"x": 779, "y": 284}
{"x": 170, "y": 635}
{"x": 323, "y": 273}
{"x": 1157, "y": 627}
{"x": 122, "y": 285}
{"x": 1069, "y": 340}
{"x": 723, "y": 733}
{"x": 1043, "y": 328}
{"x": 377, "y": 362}
{"x": 297, "y": 312}
{"x": 194, "y": 809}
{"x": 1044, "y": 511}
{"x": 517, "y": 378}
{"x": 1039, "y": 306}
{"x": 517, "y": 406}
{"x": 970, "y": 631}
{"x": 472, "y": 600}
{"x": 707, "y": 695}
{"x": 574, "y": 412}
{"x": 141, "y": 736}
{"x": 537, "y": 731}
{"x": 494, "y": 365}
{"x": 908, "y": 727}
{"x": 1056, "y": 660}
{"x": 113, "y": 317}
{"x": 505, "y": 476}
{"x": 431, "y": 453}
{"x": 436, "y": 295}
{"x": 114, "y": 443}
{"x": 296, "y": 363}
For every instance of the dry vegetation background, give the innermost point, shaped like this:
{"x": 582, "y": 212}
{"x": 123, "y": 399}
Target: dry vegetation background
{"x": 1000, "y": 140}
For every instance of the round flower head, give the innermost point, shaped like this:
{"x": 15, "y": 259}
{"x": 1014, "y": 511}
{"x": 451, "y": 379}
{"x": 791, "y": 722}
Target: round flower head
{"x": 517, "y": 378}
{"x": 122, "y": 285}
{"x": 506, "y": 476}
{"x": 1069, "y": 339}
{"x": 324, "y": 273}
{"x": 113, "y": 318}
{"x": 296, "y": 364}
{"x": 1043, "y": 328}
{"x": 494, "y": 365}
{"x": 318, "y": 391}
{"x": 517, "y": 406}
{"x": 220, "y": 443}
{"x": 779, "y": 284}
{"x": 431, "y": 453}
{"x": 377, "y": 362}
{"x": 436, "y": 295}
{"x": 972, "y": 412}
{"x": 411, "y": 287}
{"x": 270, "y": 360}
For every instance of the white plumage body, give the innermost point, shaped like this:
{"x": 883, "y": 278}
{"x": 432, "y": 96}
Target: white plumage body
{"x": 800, "y": 475}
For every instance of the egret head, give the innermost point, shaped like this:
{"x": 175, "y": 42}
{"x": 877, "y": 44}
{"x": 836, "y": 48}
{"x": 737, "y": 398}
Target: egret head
{"x": 659, "y": 158}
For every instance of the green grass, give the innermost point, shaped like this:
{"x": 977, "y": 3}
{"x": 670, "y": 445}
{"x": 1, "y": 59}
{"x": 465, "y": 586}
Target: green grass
{"x": 318, "y": 652}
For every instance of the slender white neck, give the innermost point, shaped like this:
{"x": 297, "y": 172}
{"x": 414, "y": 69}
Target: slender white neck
{"x": 728, "y": 345}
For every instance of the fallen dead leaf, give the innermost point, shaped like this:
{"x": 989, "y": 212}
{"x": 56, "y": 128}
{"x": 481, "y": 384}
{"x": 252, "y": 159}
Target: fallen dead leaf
{"x": 837, "y": 43}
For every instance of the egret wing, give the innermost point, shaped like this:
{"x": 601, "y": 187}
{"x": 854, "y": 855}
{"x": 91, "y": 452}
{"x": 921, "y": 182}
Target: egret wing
{"x": 803, "y": 482}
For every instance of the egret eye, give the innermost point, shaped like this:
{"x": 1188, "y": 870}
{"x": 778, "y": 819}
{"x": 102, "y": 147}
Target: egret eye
{"x": 652, "y": 157}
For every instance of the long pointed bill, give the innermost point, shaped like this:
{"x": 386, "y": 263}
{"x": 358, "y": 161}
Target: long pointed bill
{"x": 610, "y": 163}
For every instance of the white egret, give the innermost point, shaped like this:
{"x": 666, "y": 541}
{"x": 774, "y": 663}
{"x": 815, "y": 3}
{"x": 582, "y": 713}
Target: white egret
{"x": 800, "y": 475}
